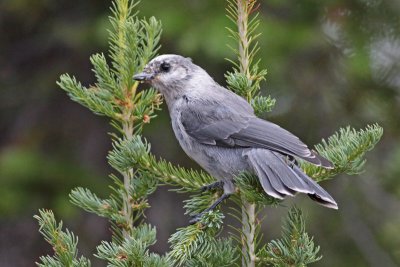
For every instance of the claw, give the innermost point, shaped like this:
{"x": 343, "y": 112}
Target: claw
{"x": 218, "y": 185}
{"x": 196, "y": 218}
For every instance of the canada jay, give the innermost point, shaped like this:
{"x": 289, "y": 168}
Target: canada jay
{"x": 218, "y": 129}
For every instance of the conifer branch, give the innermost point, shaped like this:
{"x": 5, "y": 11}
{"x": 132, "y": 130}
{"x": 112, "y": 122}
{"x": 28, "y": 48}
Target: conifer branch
{"x": 295, "y": 248}
{"x": 346, "y": 150}
{"x": 196, "y": 245}
{"x": 133, "y": 251}
{"x": 249, "y": 233}
{"x": 133, "y": 42}
{"x": 88, "y": 201}
{"x": 245, "y": 80}
{"x": 135, "y": 152}
{"x": 64, "y": 243}
{"x": 251, "y": 189}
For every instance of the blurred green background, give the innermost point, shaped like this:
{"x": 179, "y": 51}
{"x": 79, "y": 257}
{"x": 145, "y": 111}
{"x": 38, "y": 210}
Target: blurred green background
{"x": 331, "y": 64}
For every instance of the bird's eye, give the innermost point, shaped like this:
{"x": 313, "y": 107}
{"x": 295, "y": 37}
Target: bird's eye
{"x": 165, "y": 67}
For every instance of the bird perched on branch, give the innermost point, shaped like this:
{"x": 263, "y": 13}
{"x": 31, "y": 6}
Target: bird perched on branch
{"x": 219, "y": 130}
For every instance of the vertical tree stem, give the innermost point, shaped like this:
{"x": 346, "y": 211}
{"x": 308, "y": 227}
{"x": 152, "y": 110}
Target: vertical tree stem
{"x": 248, "y": 209}
{"x": 243, "y": 41}
{"x": 248, "y": 231}
{"x": 127, "y": 122}
{"x": 128, "y": 175}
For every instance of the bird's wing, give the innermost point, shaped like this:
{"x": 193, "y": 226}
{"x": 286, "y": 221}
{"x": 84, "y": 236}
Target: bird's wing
{"x": 222, "y": 125}
{"x": 213, "y": 123}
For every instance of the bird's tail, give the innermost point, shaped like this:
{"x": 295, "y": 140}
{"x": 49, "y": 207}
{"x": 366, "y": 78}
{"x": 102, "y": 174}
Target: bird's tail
{"x": 279, "y": 179}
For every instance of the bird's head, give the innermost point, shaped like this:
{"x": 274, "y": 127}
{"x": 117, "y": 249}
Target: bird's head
{"x": 168, "y": 73}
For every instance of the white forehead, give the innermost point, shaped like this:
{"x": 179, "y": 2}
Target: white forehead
{"x": 165, "y": 58}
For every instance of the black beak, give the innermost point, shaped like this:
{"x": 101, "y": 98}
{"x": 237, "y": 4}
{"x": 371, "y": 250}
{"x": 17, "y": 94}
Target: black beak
{"x": 143, "y": 77}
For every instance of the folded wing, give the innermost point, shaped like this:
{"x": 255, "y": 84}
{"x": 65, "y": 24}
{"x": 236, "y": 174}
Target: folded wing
{"x": 223, "y": 125}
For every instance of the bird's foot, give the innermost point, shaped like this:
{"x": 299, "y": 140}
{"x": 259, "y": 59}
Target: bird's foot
{"x": 197, "y": 218}
{"x": 216, "y": 185}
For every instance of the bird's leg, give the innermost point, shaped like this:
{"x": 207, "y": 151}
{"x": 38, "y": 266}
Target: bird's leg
{"x": 196, "y": 218}
{"x": 218, "y": 185}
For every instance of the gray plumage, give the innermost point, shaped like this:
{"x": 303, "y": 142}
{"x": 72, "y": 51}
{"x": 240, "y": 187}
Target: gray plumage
{"x": 218, "y": 129}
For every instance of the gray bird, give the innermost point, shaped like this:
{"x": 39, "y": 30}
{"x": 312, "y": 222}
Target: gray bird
{"x": 218, "y": 129}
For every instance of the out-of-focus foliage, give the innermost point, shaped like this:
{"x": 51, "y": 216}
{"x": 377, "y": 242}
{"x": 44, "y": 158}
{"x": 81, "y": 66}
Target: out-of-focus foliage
{"x": 330, "y": 64}
{"x": 30, "y": 178}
